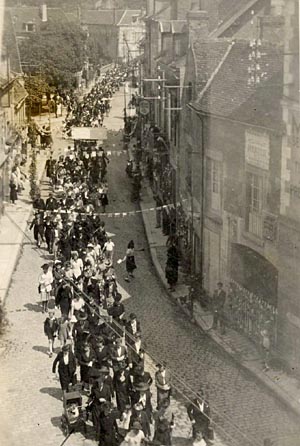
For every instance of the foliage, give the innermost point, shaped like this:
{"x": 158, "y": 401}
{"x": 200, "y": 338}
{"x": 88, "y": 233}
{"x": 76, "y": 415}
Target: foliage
{"x": 34, "y": 189}
{"x": 3, "y": 320}
{"x": 36, "y": 87}
{"x": 56, "y": 51}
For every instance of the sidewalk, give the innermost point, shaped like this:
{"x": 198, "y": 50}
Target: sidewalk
{"x": 15, "y": 220}
{"x": 247, "y": 355}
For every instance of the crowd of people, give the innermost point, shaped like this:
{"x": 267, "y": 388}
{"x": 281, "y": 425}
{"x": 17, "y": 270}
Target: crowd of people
{"x": 85, "y": 313}
{"x": 95, "y": 105}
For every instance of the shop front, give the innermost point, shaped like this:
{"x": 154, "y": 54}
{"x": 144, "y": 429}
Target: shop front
{"x": 252, "y": 299}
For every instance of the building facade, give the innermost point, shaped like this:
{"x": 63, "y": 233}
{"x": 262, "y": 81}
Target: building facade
{"x": 131, "y": 31}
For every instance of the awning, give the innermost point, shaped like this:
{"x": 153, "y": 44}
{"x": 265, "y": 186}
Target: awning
{"x": 89, "y": 133}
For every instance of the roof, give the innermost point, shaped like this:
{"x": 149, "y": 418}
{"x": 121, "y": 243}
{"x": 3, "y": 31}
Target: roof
{"x": 229, "y": 13}
{"x": 101, "y": 17}
{"x": 126, "y": 18}
{"x": 31, "y": 14}
{"x": 208, "y": 54}
{"x": 229, "y": 95}
{"x": 227, "y": 8}
{"x": 10, "y": 43}
{"x": 20, "y": 93}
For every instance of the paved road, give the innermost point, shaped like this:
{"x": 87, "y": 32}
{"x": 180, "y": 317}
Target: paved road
{"x": 32, "y": 395}
{"x": 241, "y": 406}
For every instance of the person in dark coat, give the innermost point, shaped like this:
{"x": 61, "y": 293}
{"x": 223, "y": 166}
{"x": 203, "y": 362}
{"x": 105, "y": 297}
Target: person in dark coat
{"x": 13, "y": 185}
{"x": 63, "y": 298}
{"x": 50, "y": 167}
{"x": 162, "y": 383}
{"x": 38, "y": 228}
{"x": 85, "y": 360}
{"x": 101, "y": 353}
{"x": 81, "y": 331}
{"x": 130, "y": 261}
{"x": 172, "y": 267}
{"x": 164, "y": 423}
{"x": 51, "y": 203}
{"x": 122, "y": 385}
{"x": 49, "y": 234}
{"x": 100, "y": 394}
{"x": 66, "y": 367}
{"x": 218, "y": 302}
{"x": 138, "y": 414}
{"x": 108, "y": 428}
{"x": 199, "y": 413}
{"x": 39, "y": 203}
{"x": 142, "y": 395}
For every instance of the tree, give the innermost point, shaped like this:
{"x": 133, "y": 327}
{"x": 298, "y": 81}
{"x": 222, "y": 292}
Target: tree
{"x": 36, "y": 87}
{"x": 58, "y": 51}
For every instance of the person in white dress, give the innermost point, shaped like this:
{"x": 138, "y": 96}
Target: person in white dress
{"x": 45, "y": 286}
{"x": 108, "y": 249}
{"x": 135, "y": 436}
{"x": 76, "y": 264}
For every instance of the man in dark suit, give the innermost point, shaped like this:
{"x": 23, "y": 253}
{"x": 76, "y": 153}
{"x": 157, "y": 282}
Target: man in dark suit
{"x": 218, "y": 302}
{"x": 162, "y": 383}
{"x": 199, "y": 413}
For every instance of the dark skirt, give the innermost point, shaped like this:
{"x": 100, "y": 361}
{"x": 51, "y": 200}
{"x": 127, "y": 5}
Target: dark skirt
{"x": 85, "y": 373}
{"x": 104, "y": 200}
{"x": 171, "y": 274}
{"x": 130, "y": 264}
{"x": 13, "y": 192}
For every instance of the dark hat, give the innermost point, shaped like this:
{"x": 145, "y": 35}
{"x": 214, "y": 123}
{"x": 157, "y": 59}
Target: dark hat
{"x": 161, "y": 364}
{"x": 99, "y": 339}
{"x": 141, "y": 386}
{"x": 132, "y": 316}
{"x": 82, "y": 316}
{"x": 46, "y": 265}
{"x": 65, "y": 348}
{"x": 118, "y": 297}
{"x": 220, "y": 283}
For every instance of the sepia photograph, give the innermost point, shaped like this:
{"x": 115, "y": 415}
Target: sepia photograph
{"x": 149, "y": 223}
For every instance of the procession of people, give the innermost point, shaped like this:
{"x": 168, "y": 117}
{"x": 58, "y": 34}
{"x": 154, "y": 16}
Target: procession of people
{"x": 78, "y": 290}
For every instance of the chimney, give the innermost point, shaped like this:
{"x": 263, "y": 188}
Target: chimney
{"x": 198, "y": 20}
{"x": 44, "y": 12}
{"x": 150, "y": 7}
{"x": 277, "y": 7}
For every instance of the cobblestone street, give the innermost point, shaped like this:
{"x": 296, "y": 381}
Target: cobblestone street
{"x": 244, "y": 413}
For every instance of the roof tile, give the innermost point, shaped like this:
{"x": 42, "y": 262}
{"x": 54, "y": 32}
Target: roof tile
{"x": 229, "y": 94}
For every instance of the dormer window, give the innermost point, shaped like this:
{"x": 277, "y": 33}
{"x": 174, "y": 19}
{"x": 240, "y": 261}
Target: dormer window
{"x": 29, "y": 27}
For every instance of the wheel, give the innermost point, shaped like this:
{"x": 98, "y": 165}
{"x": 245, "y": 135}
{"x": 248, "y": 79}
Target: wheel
{"x": 65, "y": 426}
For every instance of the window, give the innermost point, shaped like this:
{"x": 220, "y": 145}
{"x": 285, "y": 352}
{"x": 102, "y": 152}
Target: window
{"x": 214, "y": 183}
{"x": 29, "y": 27}
{"x": 254, "y": 203}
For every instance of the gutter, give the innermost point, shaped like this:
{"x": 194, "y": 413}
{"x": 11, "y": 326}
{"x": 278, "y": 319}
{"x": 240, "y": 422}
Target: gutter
{"x": 207, "y": 114}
